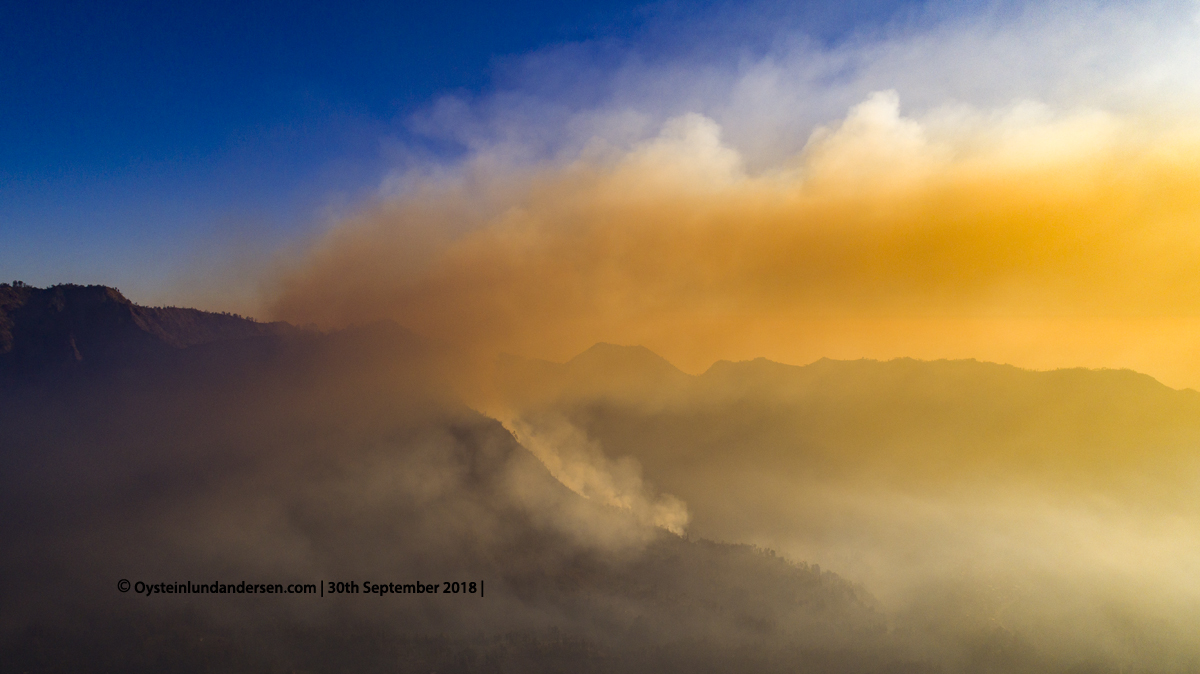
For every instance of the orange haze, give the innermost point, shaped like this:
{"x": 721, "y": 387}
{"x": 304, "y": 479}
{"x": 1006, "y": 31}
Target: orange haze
{"x": 1039, "y": 238}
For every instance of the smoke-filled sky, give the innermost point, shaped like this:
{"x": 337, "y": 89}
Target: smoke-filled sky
{"x": 1017, "y": 182}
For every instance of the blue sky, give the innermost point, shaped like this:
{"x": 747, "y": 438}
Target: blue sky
{"x": 140, "y": 139}
{"x": 171, "y": 147}
{"x": 452, "y": 166}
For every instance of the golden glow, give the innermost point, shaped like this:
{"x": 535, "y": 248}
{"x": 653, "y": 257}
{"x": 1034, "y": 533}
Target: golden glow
{"x": 1025, "y": 236}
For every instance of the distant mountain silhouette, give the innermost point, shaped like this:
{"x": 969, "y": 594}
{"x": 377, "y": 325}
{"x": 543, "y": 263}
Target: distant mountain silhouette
{"x": 637, "y": 363}
{"x": 603, "y": 371}
{"x": 902, "y": 417}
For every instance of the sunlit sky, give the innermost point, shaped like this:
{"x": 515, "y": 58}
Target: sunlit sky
{"x": 1017, "y": 182}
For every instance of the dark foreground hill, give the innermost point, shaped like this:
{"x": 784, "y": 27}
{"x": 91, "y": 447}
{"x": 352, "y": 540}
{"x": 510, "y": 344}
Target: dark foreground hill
{"x": 171, "y": 447}
{"x": 46, "y": 331}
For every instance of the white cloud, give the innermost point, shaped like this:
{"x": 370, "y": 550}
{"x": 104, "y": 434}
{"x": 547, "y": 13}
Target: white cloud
{"x": 768, "y": 97}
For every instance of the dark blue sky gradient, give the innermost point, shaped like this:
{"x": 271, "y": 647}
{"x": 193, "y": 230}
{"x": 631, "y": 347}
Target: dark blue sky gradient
{"x": 101, "y": 84}
{"x": 134, "y": 134}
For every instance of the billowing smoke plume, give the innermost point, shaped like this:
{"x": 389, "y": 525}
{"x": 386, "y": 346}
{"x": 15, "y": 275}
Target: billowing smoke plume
{"x": 581, "y": 464}
{"x": 954, "y": 204}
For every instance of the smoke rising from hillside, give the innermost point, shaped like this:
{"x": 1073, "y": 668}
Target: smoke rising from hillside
{"x": 967, "y": 496}
{"x": 582, "y": 466}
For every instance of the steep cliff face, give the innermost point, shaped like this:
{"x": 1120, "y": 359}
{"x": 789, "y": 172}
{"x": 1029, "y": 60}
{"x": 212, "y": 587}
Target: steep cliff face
{"x": 71, "y": 326}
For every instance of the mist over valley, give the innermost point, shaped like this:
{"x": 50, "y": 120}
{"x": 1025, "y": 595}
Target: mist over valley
{"x": 625, "y": 516}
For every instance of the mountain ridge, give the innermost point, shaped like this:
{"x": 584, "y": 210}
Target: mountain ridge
{"x": 627, "y": 373}
{"x": 67, "y": 326}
